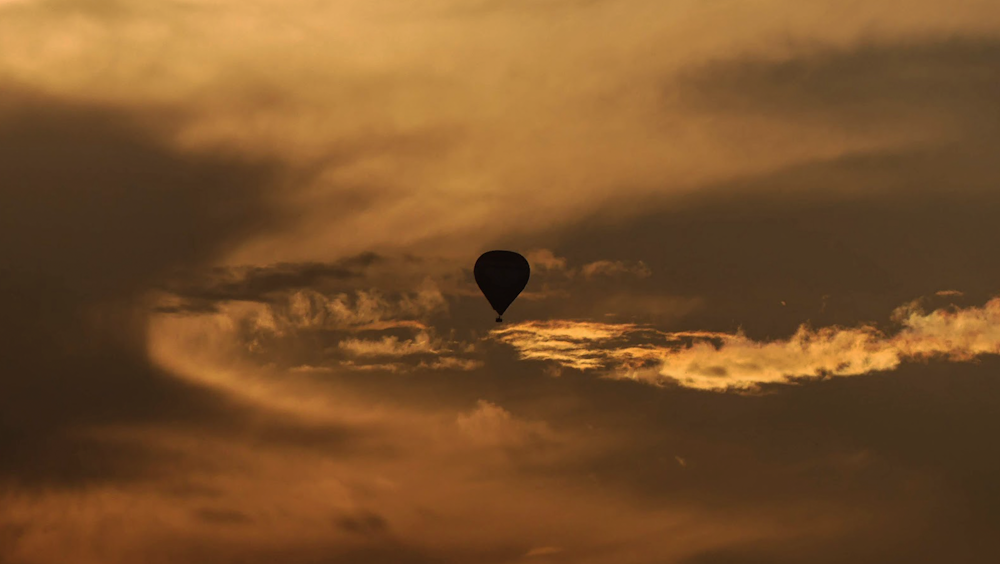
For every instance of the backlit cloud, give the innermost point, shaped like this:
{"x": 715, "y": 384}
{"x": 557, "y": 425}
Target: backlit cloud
{"x": 239, "y": 322}
{"x": 389, "y": 346}
{"x": 721, "y": 361}
{"x": 491, "y": 424}
{"x": 615, "y": 268}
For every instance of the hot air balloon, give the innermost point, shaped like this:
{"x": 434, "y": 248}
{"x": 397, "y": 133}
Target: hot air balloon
{"x": 501, "y": 276}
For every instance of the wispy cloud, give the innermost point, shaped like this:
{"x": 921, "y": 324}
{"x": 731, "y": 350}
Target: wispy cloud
{"x": 548, "y": 263}
{"x": 315, "y": 331}
{"x": 721, "y": 361}
{"x": 451, "y": 363}
{"x": 389, "y": 346}
{"x": 261, "y": 283}
{"x": 575, "y": 344}
{"x": 543, "y": 551}
{"x": 545, "y": 259}
{"x": 489, "y": 424}
{"x": 615, "y": 268}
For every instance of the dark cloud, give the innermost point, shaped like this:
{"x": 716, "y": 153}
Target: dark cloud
{"x": 832, "y": 241}
{"x": 924, "y": 543}
{"x": 96, "y": 207}
{"x": 893, "y": 464}
{"x": 261, "y": 283}
{"x": 871, "y": 86}
{"x": 96, "y": 199}
{"x": 766, "y": 254}
{"x": 223, "y": 516}
{"x": 364, "y": 523}
{"x": 303, "y": 553}
{"x": 11, "y": 533}
{"x": 900, "y": 466}
{"x": 894, "y": 461}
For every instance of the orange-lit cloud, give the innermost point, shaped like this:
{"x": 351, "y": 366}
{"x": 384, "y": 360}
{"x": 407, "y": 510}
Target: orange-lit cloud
{"x": 721, "y": 361}
{"x": 389, "y": 346}
{"x": 613, "y": 268}
{"x": 393, "y": 121}
{"x": 239, "y": 322}
{"x": 546, "y": 261}
{"x": 229, "y": 499}
{"x": 491, "y": 424}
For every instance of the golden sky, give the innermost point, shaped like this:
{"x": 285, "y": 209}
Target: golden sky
{"x": 239, "y": 322}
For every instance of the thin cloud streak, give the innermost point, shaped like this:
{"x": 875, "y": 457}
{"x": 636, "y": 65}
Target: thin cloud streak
{"x": 548, "y": 263}
{"x": 732, "y": 361}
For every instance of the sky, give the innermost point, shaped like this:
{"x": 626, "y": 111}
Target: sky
{"x": 239, "y": 321}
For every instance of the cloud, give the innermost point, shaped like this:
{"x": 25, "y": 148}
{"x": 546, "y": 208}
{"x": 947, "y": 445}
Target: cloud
{"x": 365, "y": 307}
{"x": 452, "y": 363}
{"x": 543, "y": 551}
{"x": 723, "y": 361}
{"x": 951, "y": 334}
{"x": 271, "y": 307}
{"x": 545, "y": 259}
{"x": 363, "y": 523}
{"x": 56, "y": 222}
{"x": 259, "y": 283}
{"x": 252, "y": 501}
{"x": 225, "y": 422}
{"x": 645, "y": 306}
{"x": 741, "y": 363}
{"x": 549, "y": 264}
{"x": 223, "y": 516}
{"x": 491, "y": 425}
{"x": 869, "y": 224}
{"x": 312, "y": 332}
{"x": 614, "y": 268}
{"x": 361, "y": 309}
{"x": 389, "y": 346}
{"x": 579, "y": 345}
{"x": 99, "y": 205}
{"x": 930, "y": 80}
{"x": 97, "y": 9}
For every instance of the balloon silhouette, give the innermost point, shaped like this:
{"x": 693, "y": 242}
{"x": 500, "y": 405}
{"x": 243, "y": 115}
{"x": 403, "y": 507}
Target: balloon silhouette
{"x": 501, "y": 276}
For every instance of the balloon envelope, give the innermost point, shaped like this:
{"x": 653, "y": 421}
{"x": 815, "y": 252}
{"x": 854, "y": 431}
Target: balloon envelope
{"x": 501, "y": 276}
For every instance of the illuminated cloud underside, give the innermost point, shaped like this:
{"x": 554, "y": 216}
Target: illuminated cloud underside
{"x": 721, "y": 361}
